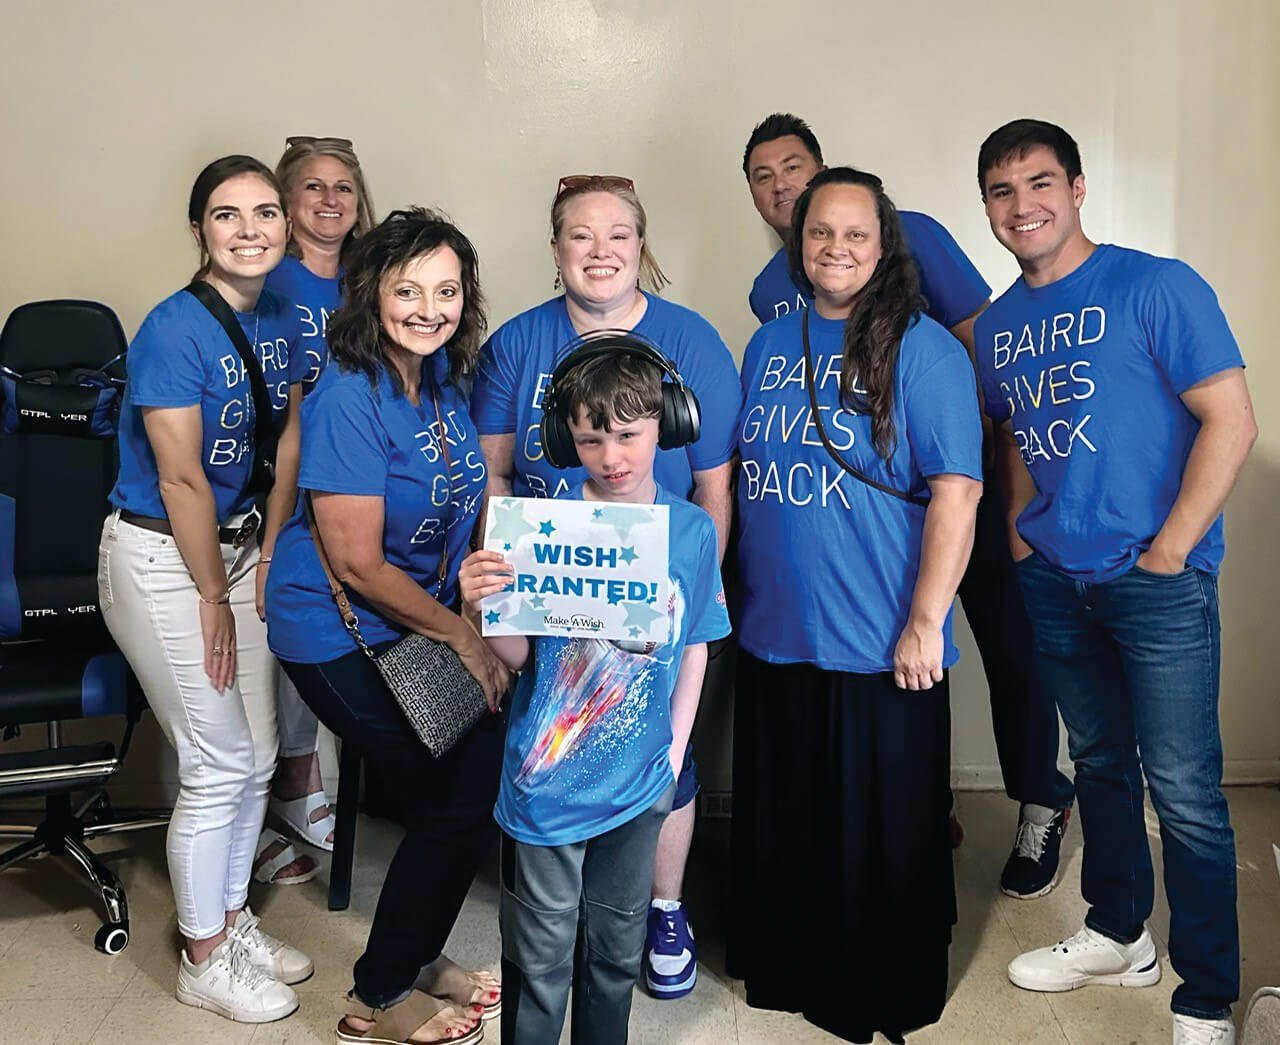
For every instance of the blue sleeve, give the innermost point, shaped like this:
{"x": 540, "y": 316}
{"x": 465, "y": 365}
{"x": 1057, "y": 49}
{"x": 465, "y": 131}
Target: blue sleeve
{"x": 299, "y": 364}
{"x": 708, "y": 617}
{"x": 995, "y": 403}
{"x": 164, "y": 366}
{"x": 1188, "y": 334}
{"x": 755, "y": 301}
{"x": 497, "y": 384}
{"x": 344, "y": 447}
{"x": 941, "y": 409}
{"x": 708, "y": 369}
{"x": 952, "y": 286}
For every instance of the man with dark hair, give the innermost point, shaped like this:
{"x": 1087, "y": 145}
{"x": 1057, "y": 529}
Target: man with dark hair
{"x": 781, "y": 156}
{"x": 1123, "y": 420}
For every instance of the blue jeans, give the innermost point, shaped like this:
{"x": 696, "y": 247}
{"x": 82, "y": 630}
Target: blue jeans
{"x": 1133, "y": 664}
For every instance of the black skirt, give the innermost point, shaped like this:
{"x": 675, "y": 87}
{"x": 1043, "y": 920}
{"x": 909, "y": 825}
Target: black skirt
{"x": 843, "y": 893}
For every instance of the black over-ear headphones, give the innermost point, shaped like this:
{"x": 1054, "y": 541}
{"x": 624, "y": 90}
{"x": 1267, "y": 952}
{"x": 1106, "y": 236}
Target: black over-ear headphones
{"x": 681, "y": 417}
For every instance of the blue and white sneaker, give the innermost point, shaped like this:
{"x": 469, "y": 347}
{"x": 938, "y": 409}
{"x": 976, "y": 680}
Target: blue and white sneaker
{"x": 670, "y": 956}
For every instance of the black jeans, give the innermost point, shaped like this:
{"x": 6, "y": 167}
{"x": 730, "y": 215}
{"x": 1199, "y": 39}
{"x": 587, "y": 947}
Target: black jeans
{"x": 450, "y": 824}
{"x": 1024, "y": 715}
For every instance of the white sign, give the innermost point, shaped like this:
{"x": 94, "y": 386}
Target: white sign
{"x": 584, "y": 569}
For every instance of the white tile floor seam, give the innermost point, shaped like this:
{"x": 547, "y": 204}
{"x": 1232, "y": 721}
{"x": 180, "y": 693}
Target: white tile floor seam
{"x": 56, "y": 989}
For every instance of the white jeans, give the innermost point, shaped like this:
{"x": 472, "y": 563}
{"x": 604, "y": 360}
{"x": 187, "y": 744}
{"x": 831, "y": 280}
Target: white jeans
{"x": 226, "y": 742}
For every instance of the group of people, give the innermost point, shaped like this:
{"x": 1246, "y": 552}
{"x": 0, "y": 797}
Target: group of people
{"x": 1100, "y": 403}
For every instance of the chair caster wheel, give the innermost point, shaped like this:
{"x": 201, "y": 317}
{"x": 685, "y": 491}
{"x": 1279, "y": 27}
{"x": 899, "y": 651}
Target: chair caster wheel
{"x": 112, "y": 939}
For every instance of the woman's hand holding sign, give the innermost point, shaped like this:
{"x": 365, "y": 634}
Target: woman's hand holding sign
{"x": 483, "y": 573}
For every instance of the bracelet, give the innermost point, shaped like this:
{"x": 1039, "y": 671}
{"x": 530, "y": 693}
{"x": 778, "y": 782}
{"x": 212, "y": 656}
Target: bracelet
{"x": 221, "y": 600}
{"x": 263, "y": 560}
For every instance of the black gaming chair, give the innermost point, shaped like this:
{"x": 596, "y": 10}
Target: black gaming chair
{"x": 61, "y": 378}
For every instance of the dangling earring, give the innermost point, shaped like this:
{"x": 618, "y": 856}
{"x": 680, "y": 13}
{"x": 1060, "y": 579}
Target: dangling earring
{"x": 557, "y": 284}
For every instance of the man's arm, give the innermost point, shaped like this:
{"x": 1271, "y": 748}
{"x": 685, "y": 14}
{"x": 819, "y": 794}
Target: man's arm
{"x": 1017, "y": 488}
{"x": 712, "y": 493}
{"x": 963, "y": 332}
{"x": 1227, "y": 433}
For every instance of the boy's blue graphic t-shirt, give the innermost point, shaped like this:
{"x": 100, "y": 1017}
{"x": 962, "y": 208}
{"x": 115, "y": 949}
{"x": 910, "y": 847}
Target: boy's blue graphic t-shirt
{"x": 953, "y": 288}
{"x": 589, "y": 736}
{"x": 516, "y": 366}
{"x": 1088, "y": 372}
{"x": 376, "y": 442}
{"x": 829, "y": 564}
{"x": 180, "y": 357}
{"x": 316, "y": 298}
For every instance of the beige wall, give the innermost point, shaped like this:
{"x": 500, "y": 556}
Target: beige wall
{"x": 477, "y": 107}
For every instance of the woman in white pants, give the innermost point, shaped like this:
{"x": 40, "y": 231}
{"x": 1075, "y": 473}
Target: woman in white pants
{"x": 177, "y": 575}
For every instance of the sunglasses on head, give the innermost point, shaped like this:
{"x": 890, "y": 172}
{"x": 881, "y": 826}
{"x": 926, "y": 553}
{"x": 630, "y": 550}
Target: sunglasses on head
{"x": 307, "y": 139}
{"x": 606, "y": 182}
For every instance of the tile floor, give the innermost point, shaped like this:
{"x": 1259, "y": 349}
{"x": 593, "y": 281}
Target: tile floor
{"x": 55, "y": 988}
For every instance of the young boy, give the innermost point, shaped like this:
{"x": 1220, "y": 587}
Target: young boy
{"x": 579, "y": 833}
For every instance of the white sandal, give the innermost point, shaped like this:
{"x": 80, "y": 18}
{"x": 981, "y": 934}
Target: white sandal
{"x": 267, "y": 870}
{"x": 296, "y": 813}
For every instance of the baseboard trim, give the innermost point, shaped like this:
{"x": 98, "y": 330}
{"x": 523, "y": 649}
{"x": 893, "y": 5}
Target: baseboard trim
{"x": 1237, "y": 773}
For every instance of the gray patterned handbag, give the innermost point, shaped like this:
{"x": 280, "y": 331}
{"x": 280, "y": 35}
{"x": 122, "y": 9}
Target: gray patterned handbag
{"x": 441, "y": 699}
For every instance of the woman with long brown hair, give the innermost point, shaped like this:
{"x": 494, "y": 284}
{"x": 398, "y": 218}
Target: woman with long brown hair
{"x": 178, "y": 566}
{"x": 861, "y": 472}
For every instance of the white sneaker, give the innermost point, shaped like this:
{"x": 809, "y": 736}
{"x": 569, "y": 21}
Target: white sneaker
{"x": 1088, "y": 957}
{"x": 230, "y": 984}
{"x": 284, "y": 963}
{"x": 1190, "y": 1030}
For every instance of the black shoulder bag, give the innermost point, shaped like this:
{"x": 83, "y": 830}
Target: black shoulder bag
{"x": 440, "y": 698}
{"x": 811, "y": 383}
{"x": 266, "y": 437}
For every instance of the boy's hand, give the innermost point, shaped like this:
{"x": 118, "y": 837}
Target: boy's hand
{"x": 483, "y": 573}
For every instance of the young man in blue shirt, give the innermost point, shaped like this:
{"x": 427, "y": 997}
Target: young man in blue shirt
{"x": 1123, "y": 420}
{"x": 781, "y": 157}
{"x": 597, "y": 732}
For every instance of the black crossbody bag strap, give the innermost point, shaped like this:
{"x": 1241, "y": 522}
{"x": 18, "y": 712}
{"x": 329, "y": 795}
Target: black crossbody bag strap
{"x": 265, "y": 436}
{"x": 811, "y": 384}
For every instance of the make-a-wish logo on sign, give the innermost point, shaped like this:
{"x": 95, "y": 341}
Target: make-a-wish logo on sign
{"x": 583, "y": 569}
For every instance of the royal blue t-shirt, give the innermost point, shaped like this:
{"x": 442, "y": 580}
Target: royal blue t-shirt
{"x": 181, "y": 356}
{"x": 828, "y": 563}
{"x": 515, "y": 370}
{"x": 358, "y": 440}
{"x": 317, "y": 298}
{"x": 589, "y": 737}
{"x": 1088, "y": 370}
{"x": 953, "y": 288}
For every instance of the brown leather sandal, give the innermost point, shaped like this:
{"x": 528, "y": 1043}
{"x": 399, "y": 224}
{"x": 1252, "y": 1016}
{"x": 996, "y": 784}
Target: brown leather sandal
{"x": 447, "y": 980}
{"x": 396, "y": 1024}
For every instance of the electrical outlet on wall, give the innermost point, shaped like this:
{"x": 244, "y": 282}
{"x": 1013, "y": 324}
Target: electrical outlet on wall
{"x": 717, "y": 804}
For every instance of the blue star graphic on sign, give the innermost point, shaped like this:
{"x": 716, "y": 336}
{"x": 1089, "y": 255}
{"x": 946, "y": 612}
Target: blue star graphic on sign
{"x": 546, "y": 528}
{"x": 634, "y": 632}
{"x": 641, "y": 615}
{"x": 628, "y": 555}
{"x": 506, "y": 547}
{"x": 597, "y": 514}
{"x": 509, "y": 522}
{"x": 493, "y": 616}
{"x": 623, "y": 517}
{"x": 537, "y": 602}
